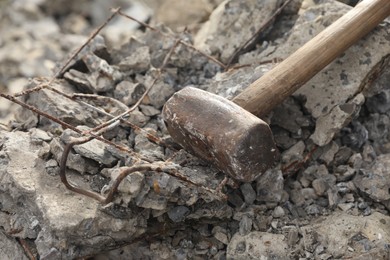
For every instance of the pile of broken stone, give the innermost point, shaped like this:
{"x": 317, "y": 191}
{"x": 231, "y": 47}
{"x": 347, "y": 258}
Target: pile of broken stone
{"x": 328, "y": 197}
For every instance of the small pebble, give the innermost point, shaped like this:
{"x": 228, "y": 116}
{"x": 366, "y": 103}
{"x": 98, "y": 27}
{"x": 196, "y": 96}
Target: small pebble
{"x": 345, "y": 206}
{"x": 274, "y": 224}
{"x": 309, "y": 193}
{"x": 245, "y": 225}
{"x": 249, "y": 193}
{"x": 313, "y": 209}
{"x": 52, "y": 167}
{"x": 220, "y": 234}
{"x": 213, "y": 250}
{"x": 362, "y": 205}
{"x": 319, "y": 186}
{"x": 367, "y": 211}
{"x": 278, "y": 212}
{"x": 293, "y": 236}
{"x": 178, "y": 214}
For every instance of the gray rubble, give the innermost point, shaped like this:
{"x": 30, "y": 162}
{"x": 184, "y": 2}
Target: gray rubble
{"x": 375, "y": 181}
{"x": 326, "y": 198}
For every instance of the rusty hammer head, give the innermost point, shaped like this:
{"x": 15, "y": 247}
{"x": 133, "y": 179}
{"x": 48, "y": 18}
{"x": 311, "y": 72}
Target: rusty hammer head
{"x": 221, "y": 132}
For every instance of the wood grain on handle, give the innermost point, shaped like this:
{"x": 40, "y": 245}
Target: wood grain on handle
{"x": 289, "y": 75}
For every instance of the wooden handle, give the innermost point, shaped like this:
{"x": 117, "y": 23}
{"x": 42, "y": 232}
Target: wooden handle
{"x": 288, "y": 76}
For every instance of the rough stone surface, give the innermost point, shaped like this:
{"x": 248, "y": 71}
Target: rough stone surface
{"x": 96, "y": 151}
{"x": 257, "y": 245}
{"x": 220, "y": 234}
{"x": 278, "y": 212}
{"x": 61, "y": 107}
{"x": 344, "y": 234}
{"x": 159, "y": 94}
{"x": 178, "y": 214}
{"x": 231, "y": 24}
{"x": 375, "y": 182}
{"x": 283, "y": 114}
{"x": 67, "y": 215}
{"x": 295, "y": 153}
{"x": 329, "y": 152}
{"x": 328, "y": 125}
{"x": 270, "y": 186}
{"x": 128, "y": 92}
{"x": 138, "y": 61}
{"x": 131, "y": 185}
{"x": 245, "y": 225}
{"x": 248, "y": 192}
{"x": 75, "y": 161}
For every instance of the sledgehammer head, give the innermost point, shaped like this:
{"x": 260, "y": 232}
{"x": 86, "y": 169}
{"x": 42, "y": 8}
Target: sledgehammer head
{"x": 220, "y": 132}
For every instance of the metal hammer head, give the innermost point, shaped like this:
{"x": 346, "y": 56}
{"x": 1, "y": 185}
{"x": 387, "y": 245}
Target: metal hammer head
{"x": 221, "y": 132}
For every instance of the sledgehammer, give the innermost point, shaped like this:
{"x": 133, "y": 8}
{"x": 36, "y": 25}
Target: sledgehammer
{"x": 227, "y": 133}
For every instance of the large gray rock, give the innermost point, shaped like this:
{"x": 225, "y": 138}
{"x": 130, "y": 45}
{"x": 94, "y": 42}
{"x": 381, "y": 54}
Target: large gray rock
{"x": 257, "y": 245}
{"x": 374, "y": 181}
{"x": 61, "y": 107}
{"x": 231, "y": 24}
{"x": 349, "y": 236}
{"x": 61, "y": 222}
{"x": 334, "y": 96}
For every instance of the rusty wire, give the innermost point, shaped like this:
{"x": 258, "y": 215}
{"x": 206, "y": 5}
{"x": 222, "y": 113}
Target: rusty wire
{"x": 141, "y": 163}
{"x": 26, "y": 248}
